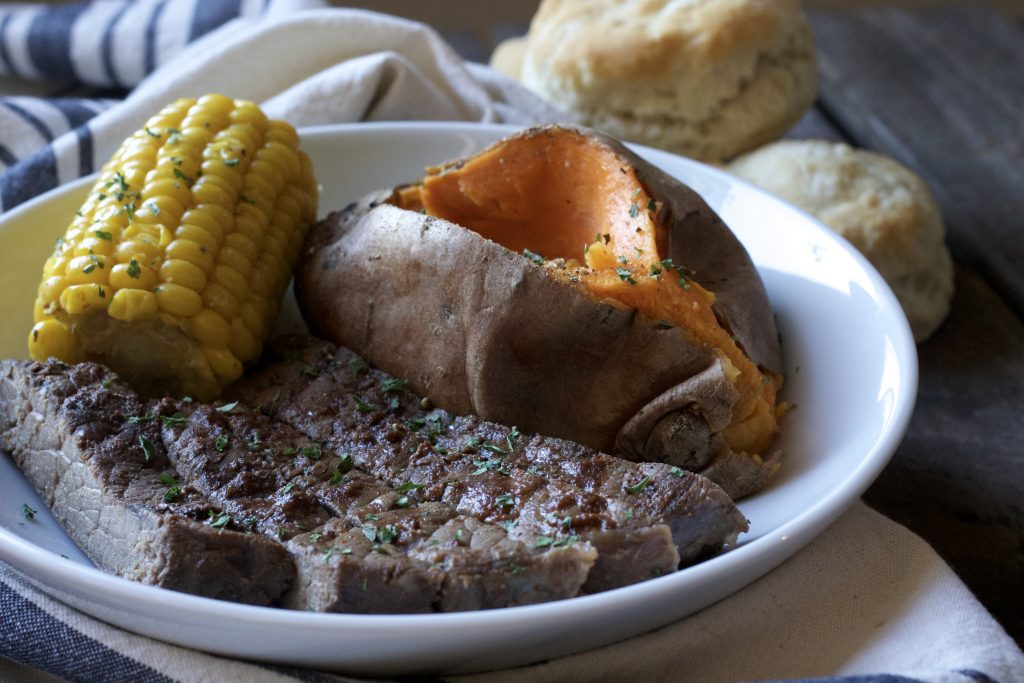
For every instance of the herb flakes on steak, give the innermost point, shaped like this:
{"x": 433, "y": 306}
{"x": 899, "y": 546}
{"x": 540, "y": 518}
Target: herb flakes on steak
{"x": 105, "y": 477}
{"x": 643, "y": 519}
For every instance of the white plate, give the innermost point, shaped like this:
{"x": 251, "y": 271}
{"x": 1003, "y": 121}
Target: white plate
{"x": 851, "y": 377}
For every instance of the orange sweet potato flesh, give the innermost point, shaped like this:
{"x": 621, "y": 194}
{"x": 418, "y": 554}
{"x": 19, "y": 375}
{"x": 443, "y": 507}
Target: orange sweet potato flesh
{"x": 644, "y": 330}
{"x": 591, "y": 208}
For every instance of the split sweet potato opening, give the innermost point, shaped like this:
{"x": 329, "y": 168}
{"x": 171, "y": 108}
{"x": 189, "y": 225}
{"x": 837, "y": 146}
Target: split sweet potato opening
{"x": 561, "y": 194}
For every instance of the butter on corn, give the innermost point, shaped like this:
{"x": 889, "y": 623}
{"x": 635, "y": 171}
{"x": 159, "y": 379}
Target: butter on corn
{"x": 174, "y": 268}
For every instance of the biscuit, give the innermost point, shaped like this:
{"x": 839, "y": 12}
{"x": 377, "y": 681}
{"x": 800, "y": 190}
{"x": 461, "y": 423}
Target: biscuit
{"x": 508, "y": 56}
{"x": 881, "y": 207}
{"x": 707, "y": 79}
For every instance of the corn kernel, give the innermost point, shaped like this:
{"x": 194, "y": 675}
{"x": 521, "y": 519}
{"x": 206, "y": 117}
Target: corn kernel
{"x": 133, "y": 275}
{"x": 210, "y": 328}
{"x": 223, "y": 363}
{"x": 183, "y": 273}
{"x": 244, "y": 344}
{"x": 52, "y": 339}
{"x": 133, "y": 304}
{"x": 178, "y": 300}
{"x": 194, "y": 253}
{"x": 85, "y": 269}
{"x": 220, "y": 299}
{"x": 85, "y": 299}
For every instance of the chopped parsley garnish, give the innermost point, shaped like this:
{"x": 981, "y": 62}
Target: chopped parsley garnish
{"x": 655, "y": 270}
{"x": 247, "y": 200}
{"x": 356, "y": 364}
{"x": 27, "y": 512}
{"x": 89, "y": 268}
{"x": 626, "y": 275}
{"x": 151, "y": 133}
{"x": 174, "y": 420}
{"x": 221, "y": 442}
{"x": 415, "y": 424}
{"x": 460, "y": 535}
{"x": 219, "y": 521}
{"x": 373, "y": 517}
{"x": 172, "y": 493}
{"x": 134, "y": 270}
{"x": 147, "y": 448}
{"x": 495, "y": 465}
{"x": 168, "y": 480}
{"x": 312, "y": 452}
{"x": 154, "y": 209}
{"x": 493, "y": 448}
{"x": 227, "y": 407}
{"x": 635, "y": 194}
{"x": 683, "y": 282}
{"x": 315, "y": 537}
{"x": 402, "y": 502}
{"x": 651, "y": 204}
{"x": 676, "y": 471}
{"x": 664, "y": 324}
{"x": 362, "y": 406}
{"x": 103, "y": 235}
{"x": 254, "y": 441}
{"x": 387, "y": 533}
{"x": 346, "y": 462}
{"x": 231, "y": 162}
{"x": 516, "y": 569}
{"x": 634, "y": 210}
{"x": 512, "y": 437}
{"x": 181, "y": 176}
{"x": 505, "y": 501}
{"x": 280, "y": 532}
{"x": 136, "y": 419}
{"x": 509, "y": 524}
{"x": 336, "y": 477}
{"x": 534, "y": 470}
{"x": 535, "y": 257}
{"x": 393, "y": 385}
{"x": 370, "y": 531}
{"x": 550, "y": 542}
{"x": 307, "y": 369}
{"x": 409, "y": 486}
{"x": 287, "y": 487}
{"x": 639, "y": 486}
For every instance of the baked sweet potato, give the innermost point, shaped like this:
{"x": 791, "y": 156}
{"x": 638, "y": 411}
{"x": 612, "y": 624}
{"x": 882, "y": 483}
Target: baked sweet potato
{"x": 559, "y": 282}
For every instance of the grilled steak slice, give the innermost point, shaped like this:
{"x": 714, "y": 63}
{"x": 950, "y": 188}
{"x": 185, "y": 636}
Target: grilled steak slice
{"x": 359, "y": 545}
{"x": 643, "y": 519}
{"x": 68, "y": 428}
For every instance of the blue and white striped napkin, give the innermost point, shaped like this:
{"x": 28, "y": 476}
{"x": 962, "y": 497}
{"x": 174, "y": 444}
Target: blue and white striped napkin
{"x": 867, "y": 602}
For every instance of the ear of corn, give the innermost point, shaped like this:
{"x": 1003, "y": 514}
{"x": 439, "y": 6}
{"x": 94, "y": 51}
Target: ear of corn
{"x": 172, "y": 271}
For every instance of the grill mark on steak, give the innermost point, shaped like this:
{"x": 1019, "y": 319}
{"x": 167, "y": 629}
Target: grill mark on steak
{"x": 68, "y": 429}
{"x": 643, "y": 519}
{"x": 359, "y": 545}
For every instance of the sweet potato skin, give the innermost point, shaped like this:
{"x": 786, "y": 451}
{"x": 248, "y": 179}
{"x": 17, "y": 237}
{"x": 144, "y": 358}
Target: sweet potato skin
{"x": 481, "y": 329}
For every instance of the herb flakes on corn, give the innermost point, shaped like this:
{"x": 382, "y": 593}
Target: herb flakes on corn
{"x": 174, "y": 268}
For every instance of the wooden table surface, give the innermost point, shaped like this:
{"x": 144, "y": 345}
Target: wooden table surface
{"x": 942, "y": 91}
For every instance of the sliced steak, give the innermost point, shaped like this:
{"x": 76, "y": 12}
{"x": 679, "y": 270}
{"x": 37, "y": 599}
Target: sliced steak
{"x": 109, "y": 484}
{"x": 643, "y": 519}
{"x": 359, "y": 544}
